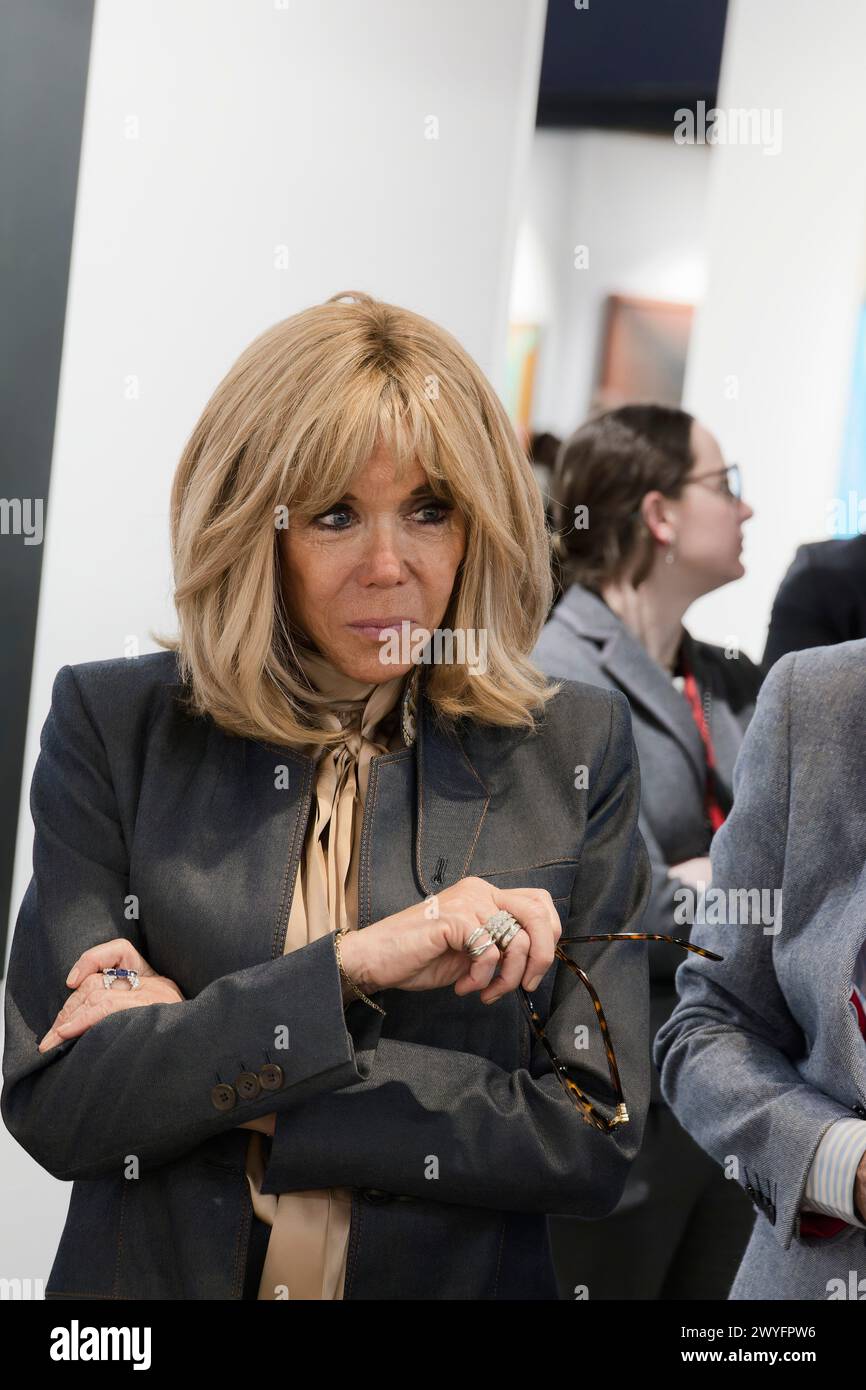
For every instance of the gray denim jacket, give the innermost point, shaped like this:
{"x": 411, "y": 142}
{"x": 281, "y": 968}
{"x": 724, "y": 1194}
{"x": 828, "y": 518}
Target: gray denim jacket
{"x": 445, "y": 1117}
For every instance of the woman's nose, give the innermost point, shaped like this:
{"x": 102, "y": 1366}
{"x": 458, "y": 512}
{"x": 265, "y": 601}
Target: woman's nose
{"x": 746, "y": 511}
{"x": 382, "y": 562}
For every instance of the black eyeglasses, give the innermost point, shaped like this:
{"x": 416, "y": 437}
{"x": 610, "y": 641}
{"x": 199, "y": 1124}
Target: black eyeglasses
{"x": 580, "y": 1099}
{"x": 731, "y": 484}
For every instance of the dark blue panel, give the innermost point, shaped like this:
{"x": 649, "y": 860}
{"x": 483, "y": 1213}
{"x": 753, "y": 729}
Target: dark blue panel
{"x": 629, "y": 63}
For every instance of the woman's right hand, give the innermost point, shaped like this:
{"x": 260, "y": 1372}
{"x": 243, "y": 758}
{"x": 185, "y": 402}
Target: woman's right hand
{"x": 422, "y": 946}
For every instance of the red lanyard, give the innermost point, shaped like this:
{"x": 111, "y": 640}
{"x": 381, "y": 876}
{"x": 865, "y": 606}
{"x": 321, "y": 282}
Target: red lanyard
{"x": 715, "y": 814}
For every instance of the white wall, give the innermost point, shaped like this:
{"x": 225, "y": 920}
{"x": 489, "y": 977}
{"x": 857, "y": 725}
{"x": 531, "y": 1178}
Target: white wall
{"x": 259, "y": 125}
{"x": 785, "y": 251}
{"x": 637, "y": 203}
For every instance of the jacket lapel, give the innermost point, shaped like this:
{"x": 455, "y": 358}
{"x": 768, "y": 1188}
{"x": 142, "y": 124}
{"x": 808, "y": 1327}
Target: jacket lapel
{"x": 452, "y": 802}
{"x": 423, "y": 813}
{"x": 629, "y": 665}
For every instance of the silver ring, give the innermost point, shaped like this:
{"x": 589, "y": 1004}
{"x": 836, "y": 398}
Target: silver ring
{"x": 116, "y": 972}
{"x": 478, "y": 950}
{"x": 503, "y": 927}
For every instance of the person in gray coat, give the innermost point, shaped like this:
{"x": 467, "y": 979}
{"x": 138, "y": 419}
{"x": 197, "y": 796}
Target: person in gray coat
{"x": 648, "y": 518}
{"x": 764, "y": 1057}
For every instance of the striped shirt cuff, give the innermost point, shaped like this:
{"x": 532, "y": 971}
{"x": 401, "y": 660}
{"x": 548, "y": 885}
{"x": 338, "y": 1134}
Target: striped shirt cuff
{"x": 830, "y": 1184}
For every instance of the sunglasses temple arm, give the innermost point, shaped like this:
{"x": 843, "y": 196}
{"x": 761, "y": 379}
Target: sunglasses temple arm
{"x": 642, "y": 936}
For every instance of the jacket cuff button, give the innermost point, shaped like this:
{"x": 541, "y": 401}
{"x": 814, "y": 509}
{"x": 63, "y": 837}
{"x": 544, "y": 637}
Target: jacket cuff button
{"x": 224, "y": 1096}
{"x": 248, "y": 1085}
{"x": 271, "y": 1076}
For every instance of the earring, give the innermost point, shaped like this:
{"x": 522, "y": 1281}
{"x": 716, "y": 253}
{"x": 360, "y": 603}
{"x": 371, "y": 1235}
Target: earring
{"x": 670, "y": 554}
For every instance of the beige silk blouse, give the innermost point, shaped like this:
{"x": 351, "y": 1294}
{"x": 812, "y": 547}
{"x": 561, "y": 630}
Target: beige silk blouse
{"x": 308, "y": 1244}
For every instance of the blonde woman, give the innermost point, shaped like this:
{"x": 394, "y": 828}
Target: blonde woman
{"x": 321, "y": 854}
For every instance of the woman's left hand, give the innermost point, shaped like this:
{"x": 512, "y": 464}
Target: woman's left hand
{"x": 91, "y": 1001}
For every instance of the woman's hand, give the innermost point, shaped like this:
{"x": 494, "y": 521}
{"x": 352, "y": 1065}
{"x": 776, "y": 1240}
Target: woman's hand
{"x": 693, "y": 871}
{"x": 422, "y": 946}
{"x": 91, "y": 1001}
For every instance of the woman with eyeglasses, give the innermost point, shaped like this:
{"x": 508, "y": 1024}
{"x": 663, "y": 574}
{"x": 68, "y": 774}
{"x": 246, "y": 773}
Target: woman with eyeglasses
{"x": 285, "y": 999}
{"x": 648, "y": 518}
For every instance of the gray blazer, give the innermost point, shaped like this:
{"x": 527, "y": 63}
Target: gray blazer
{"x": 762, "y": 1054}
{"x": 161, "y": 828}
{"x": 585, "y": 640}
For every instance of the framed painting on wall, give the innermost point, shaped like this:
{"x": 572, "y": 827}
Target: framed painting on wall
{"x": 644, "y": 347}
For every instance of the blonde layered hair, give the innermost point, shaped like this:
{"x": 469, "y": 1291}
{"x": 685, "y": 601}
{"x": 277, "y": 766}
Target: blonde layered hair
{"x": 302, "y": 409}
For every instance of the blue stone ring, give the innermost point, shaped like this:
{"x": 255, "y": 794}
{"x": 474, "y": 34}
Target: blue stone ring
{"x": 118, "y": 973}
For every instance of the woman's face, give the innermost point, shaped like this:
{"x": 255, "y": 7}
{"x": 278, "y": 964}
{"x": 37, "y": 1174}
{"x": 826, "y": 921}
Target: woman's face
{"x": 386, "y": 552}
{"x": 707, "y": 524}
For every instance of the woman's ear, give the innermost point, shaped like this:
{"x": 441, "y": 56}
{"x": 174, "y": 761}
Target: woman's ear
{"x": 655, "y": 509}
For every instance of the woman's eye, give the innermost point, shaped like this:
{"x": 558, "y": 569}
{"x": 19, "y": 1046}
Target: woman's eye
{"x": 335, "y": 511}
{"x": 440, "y": 512}
{"x": 440, "y": 508}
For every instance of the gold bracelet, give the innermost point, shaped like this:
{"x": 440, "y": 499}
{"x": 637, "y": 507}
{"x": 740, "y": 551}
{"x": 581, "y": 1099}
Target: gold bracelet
{"x": 360, "y": 993}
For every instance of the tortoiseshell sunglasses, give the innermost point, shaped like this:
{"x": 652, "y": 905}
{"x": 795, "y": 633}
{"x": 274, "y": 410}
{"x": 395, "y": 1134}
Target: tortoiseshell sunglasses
{"x": 581, "y": 1100}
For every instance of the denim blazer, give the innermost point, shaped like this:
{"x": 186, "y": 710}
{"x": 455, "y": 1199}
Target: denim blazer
{"x": 445, "y": 1117}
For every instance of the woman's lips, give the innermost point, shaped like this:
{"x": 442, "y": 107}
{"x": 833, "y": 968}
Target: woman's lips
{"x": 376, "y": 626}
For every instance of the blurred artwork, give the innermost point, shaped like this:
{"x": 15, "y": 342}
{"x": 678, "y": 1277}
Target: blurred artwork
{"x": 644, "y": 352}
{"x": 521, "y": 363}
